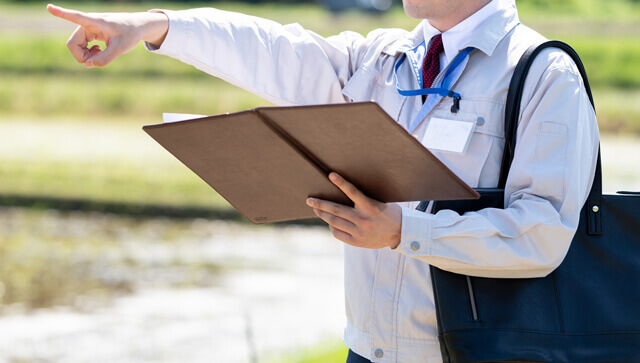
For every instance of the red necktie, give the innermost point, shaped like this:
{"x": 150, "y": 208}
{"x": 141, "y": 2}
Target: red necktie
{"x": 431, "y": 64}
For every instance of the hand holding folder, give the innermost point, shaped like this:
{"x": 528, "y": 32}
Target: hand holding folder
{"x": 266, "y": 162}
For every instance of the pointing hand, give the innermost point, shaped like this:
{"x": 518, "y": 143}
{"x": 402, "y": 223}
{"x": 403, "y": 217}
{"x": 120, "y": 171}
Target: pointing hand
{"x": 120, "y": 32}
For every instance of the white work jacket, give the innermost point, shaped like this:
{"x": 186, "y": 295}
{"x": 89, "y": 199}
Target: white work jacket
{"x": 389, "y": 297}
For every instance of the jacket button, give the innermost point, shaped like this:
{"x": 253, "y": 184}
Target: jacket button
{"x": 480, "y": 121}
{"x": 414, "y": 246}
{"x": 379, "y": 353}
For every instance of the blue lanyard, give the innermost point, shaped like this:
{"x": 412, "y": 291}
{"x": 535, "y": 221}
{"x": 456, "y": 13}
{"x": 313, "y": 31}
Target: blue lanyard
{"x": 442, "y": 88}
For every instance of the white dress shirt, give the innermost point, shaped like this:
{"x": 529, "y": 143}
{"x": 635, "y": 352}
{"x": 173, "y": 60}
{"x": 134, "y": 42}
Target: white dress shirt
{"x": 389, "y": 298}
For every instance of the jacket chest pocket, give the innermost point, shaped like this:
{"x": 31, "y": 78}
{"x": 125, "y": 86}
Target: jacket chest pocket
{"x": 366, "y": 86}
{"x": 479, "y": 166}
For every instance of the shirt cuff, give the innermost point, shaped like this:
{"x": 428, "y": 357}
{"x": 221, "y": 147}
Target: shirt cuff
{"x": 415, "y": 237}
{"x": 177, "y": 37}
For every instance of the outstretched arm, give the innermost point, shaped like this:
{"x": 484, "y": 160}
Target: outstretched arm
{"x": 284, "y": 64}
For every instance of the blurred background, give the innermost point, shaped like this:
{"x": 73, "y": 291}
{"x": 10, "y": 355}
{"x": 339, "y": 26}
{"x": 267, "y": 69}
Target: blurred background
{"x": 111, "y": 250}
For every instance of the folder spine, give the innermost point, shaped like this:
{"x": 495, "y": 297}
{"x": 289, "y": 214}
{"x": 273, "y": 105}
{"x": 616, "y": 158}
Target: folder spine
{"x": 312, "y": 159}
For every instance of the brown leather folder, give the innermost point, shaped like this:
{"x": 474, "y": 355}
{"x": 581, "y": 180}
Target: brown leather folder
{"x": 265, "y": 162}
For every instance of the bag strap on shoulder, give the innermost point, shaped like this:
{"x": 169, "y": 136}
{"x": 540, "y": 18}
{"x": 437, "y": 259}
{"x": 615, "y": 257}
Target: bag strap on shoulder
{"x": 511, "y": 117}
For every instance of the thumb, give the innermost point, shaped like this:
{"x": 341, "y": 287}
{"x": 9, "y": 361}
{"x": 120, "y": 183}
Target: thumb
{"x": 102, "y": 59}
{"x": 73, "y": 16}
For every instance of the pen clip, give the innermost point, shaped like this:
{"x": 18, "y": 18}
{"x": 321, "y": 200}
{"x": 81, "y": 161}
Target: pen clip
{"x": 456, "y": 103}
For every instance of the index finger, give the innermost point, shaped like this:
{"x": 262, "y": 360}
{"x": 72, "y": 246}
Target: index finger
{"x": 349, "y": 189}
{"x": 73, "y": 16}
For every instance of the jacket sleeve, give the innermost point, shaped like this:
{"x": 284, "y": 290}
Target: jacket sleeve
{"x": 284, "y": 64}
{"x": 549, "y": 181}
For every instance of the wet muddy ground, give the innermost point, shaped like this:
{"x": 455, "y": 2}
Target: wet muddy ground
{"x": 100, "y": 288}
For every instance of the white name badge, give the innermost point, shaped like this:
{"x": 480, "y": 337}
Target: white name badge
{"x": 448, "y": 135}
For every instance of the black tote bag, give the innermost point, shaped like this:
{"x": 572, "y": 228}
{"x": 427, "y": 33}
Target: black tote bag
{"x": 587, "y": 310}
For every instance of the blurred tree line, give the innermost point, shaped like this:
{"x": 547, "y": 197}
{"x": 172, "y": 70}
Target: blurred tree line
{"x": 540, "y": 3}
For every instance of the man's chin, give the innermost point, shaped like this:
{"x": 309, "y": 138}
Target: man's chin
{"x": 414, "y": 11}
{"x": 411, "y": 13}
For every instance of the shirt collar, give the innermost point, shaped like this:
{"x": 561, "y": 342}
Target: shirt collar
{"x": 482, "y": 30}
{"x": 461, "y": 34}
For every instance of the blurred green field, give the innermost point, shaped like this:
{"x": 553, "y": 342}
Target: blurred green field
{"x": 310, "y": 15}
{"x": 46, "y": 81}
{"x": 41, "y": 78}
{"x": 44, "y": 89}
{"x": 323, "y": 353}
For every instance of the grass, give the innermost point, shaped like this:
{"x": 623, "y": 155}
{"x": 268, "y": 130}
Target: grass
{"x": 84, "y": 96}
{"x": 579, "y": 10}
{"x": 46, "y": 82}
{"x": 331, "y": 351}
{"x": 51, "y": 259}
{"x": 132, "y": 100}
{"x": 109, "y": 181}
{"x": 609, "y": 61}
{"x": 618, "y": 110}
{"x": 41, "y": 84}
{"x": 77, "y": 263}
{"x": 97, "y": 160}
{"x": 120, "y": 163}
{"x": 311, "y": 16}
{"x": 336, "y": 356}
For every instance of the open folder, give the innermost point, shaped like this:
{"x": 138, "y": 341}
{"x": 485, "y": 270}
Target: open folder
{"x": 265, "y": 162}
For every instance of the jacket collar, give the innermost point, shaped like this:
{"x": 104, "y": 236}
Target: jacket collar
{"x": 486, "y": 39}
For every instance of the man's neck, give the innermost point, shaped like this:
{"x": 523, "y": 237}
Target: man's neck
{"x": 453, "y": 18}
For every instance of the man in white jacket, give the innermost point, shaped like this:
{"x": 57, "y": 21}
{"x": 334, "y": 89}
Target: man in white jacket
{"x": 388, "y": 247}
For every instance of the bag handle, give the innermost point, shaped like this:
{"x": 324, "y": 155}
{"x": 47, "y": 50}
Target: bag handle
{"x": 511, "y": 116}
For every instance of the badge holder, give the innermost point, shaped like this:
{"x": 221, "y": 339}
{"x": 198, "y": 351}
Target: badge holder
{"x": 443, "y": 86}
